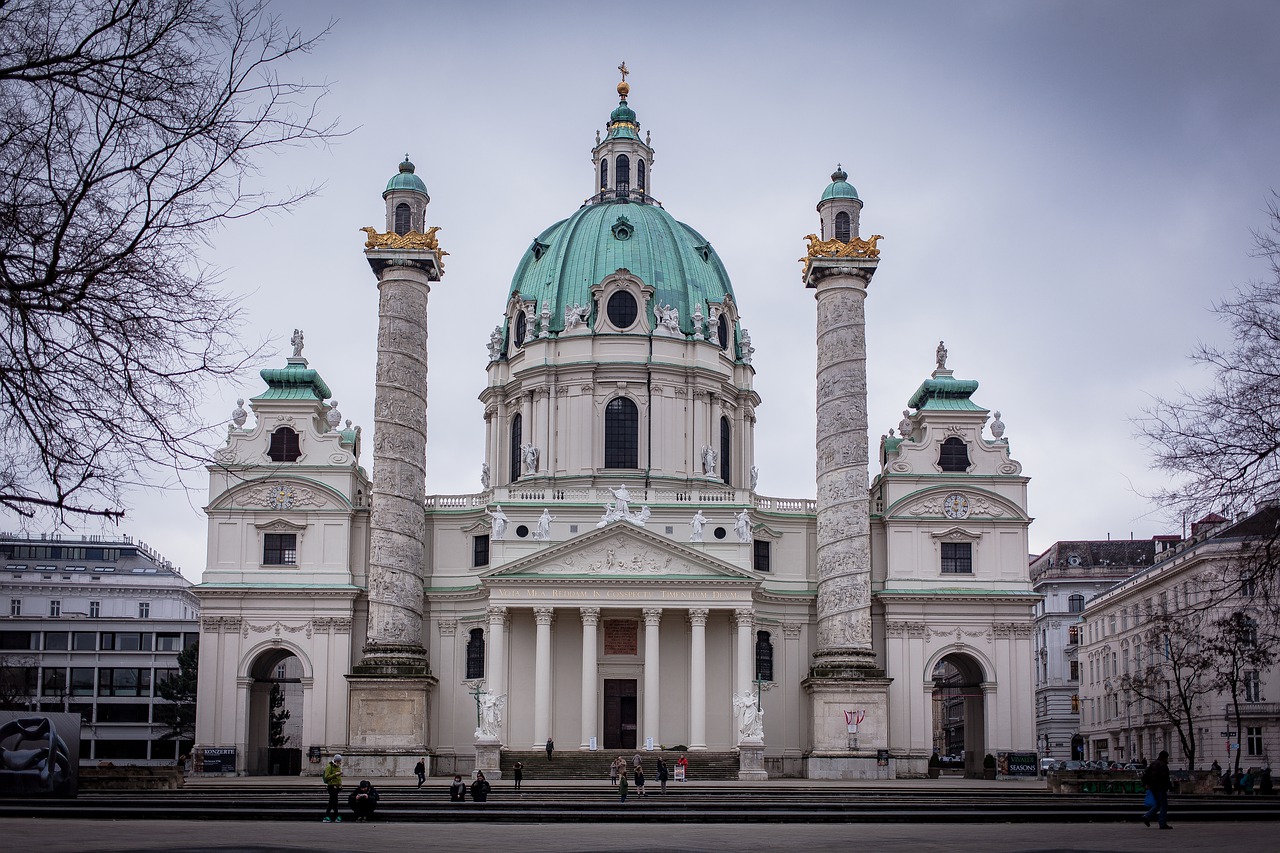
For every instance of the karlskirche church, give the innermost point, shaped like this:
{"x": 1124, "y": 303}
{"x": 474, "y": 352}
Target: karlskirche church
{"x": 618, "y": 585}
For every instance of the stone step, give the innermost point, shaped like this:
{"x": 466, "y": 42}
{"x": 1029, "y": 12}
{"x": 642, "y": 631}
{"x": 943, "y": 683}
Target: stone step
{"x": 705, "y": 766}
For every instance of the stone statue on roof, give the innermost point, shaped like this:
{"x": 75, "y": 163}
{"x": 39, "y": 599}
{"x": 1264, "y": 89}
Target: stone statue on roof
{"x": 296, "y": 340}
{"x": 941, "y": 355}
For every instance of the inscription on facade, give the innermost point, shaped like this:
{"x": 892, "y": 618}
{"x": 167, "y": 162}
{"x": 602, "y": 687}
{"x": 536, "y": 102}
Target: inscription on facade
{"x": 621, "y": 637}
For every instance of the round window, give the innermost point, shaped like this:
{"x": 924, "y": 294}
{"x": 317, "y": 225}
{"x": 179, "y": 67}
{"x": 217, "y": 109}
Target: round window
{"x": 622, "y": 309}
{"x": 720, "y": 533}
{"x": 522, "y": 531}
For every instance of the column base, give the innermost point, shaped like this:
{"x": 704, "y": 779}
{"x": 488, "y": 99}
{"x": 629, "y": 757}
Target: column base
{"x": 837, "y": 705}
{"x": 393, "y": 660}
{"x": 751, "y": 761}
{"x": 488, "y": 758}
{"x": 846, "y": 664}
{"x": 387, "y": 731}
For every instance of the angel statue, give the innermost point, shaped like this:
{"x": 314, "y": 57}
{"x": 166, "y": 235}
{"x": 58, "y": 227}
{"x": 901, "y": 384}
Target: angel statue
{"x": 750, "y": 717}
{"x": 491, "y": 706}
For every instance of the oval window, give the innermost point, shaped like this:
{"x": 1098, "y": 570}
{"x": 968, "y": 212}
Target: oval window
{"x": 622, "y": 309}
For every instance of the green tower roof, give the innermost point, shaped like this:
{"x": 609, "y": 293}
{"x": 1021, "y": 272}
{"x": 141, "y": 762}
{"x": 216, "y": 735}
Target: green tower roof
{"x": 294, "y": 381}
{"x": 839, "y": 186}
{"x": 566, "y": 259}
{"x": 943, "y": 391}
{"x": 405, "y": 180}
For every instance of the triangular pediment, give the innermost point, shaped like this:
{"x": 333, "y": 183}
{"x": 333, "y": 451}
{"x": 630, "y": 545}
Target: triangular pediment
{"x": 624, "y": 551}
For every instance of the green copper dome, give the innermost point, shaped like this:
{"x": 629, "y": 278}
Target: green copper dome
{"x": 405, "y": 180}
{"x": 622, "y": 112}
{"x": 839, "y": 186}
{"x": 566, "y": 259}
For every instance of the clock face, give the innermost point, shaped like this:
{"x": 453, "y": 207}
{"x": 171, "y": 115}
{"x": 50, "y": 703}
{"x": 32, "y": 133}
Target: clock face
{"x": 281, "y": 497}
{"x": 955, "y": 506}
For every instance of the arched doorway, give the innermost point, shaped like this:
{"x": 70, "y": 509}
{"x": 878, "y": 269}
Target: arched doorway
{"x": 958, "y": 716}
{"x": 274, "y": 737}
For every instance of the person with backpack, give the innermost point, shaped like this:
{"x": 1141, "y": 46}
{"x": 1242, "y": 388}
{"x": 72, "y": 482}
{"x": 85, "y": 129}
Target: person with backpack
{"x": 333, "y": 783}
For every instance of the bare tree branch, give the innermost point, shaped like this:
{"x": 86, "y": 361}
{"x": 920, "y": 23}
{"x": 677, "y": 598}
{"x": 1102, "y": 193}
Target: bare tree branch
{"x": 128, "y": 130}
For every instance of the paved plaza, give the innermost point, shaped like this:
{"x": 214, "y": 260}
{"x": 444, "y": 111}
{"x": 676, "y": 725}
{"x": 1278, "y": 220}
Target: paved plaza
{"x": 82, "y": 836}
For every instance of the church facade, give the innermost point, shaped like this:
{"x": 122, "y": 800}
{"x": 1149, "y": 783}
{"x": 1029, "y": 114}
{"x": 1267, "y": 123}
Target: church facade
{"x": 618, "y": 583}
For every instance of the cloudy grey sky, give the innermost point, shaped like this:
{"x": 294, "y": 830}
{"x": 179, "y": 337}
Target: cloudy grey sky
{"x": 1065, "y": 188}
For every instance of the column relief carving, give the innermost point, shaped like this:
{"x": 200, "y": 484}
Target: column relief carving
{"x": 448, "y": 627}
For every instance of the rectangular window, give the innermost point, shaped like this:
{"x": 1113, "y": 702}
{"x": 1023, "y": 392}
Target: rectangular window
{"x": 15, "y": 607}
{"x": 1252, "y": 686}
{"x": 1073, "y": 635}
{"x": 144, "y": 609}
{"x": 55, "y": 607}
{"x": 84, "y": 641}
{"x": 480, "y": 550}
{"x": 120, "y": 750}
{"x": 762, "y": 556}
{"x": 957, "y": 558}
{"x": 1075, "y": 670}
{"x": 55, "y": 641}
{"x": 53, "y": 682}
{"x": 95, "y": 609}
{"x": 1254, "y": 741}
{"x": 124, "y": 682}
{"x": 18, "y": 682}
{"x": 280, "y": 549}
{"x": 133, "y": 712}
{"x": 19, "y": 640}
{"x": 169, "y": 642}
{"x": 81, "y": 681}
{"x": 1075, "y": 704}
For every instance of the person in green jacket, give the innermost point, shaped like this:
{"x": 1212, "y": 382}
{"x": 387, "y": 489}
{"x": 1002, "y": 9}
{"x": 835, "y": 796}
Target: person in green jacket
{"x": 622, "y": 786}
{"x": 333, "y": 782}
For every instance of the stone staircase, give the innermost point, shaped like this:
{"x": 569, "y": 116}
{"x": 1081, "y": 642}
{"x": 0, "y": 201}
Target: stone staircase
{"x": 703, "y": 766}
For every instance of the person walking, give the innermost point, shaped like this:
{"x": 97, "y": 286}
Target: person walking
{"x": 662, "y": 776}
{"x": 420, "y": 770}
{"x": 551, "y": 745}
{"x": 458, "y": 790}
{"x": 333, "y": 783}
{"x": 518, "y": 770}
{"x": 640, "y": 779}
{"x": 479, "y": 789}
{"x": 622, "y": 787}
{"x": 614, "y": 768}
{"x": 1156, "y": 780}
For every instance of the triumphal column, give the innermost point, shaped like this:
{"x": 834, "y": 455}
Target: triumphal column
{"x": 849, "y": 693}
{"x": 390, "y": 686}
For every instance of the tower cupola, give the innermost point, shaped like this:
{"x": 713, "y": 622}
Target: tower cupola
{"x": 839, "y": 208}
{"x": 407, "y": 199}
{"x": 623, "y": 161}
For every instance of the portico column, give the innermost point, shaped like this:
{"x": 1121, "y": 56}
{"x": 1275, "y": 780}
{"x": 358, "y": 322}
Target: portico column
{"x": 542, "y": 676}
{"x": 590, "y": 619}
{"x": 744, "y": 675}
{"x": 496, "y": 660}
{"x": 698, "y": 680}
{"x": 652, "y": 707}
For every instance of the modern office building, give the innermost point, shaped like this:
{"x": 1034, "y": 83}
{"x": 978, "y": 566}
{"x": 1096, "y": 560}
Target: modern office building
{"x": 91, "y": 625}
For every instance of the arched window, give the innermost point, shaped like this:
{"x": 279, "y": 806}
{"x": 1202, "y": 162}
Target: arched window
{"x": 1075, "y": 604}
{"x": 640, "y": 174}
{"x": 621, "y": 434}
{"x": 403, "y": 225}
{"x": 726, "y": 445}
{"x": 954, "y": 455}
{"x": 842, "y": 227}
{"x": 764, "y": 656}
{"x": 622, "y": 173}
{"x": 604, "y": 173}
{"x": 521, "y": 322}
{"x": 284, "y": 446}
{"x": 722, "y": 332}
{"x": 475, "y": 654}
{"x": 515, "y": 446}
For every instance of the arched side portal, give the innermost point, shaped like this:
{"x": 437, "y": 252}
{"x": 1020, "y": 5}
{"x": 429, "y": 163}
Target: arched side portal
{"x": 959, "y": 714}
{"x": 273, "y": 738}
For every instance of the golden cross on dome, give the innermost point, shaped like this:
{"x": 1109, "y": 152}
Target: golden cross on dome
{"x": 623, "y": 68}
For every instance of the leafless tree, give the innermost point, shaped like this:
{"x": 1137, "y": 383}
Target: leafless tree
{"x": 1174, "y": 675}
{"x": 1221, "y": 445}
{"x": 1235, "y": 646}
{"x": 129, "y": 129}
{"x": 17, "y": 682}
